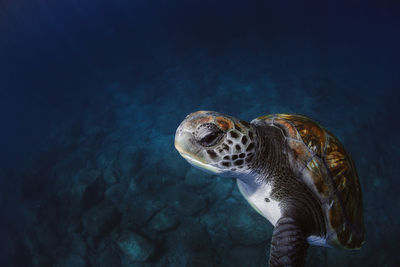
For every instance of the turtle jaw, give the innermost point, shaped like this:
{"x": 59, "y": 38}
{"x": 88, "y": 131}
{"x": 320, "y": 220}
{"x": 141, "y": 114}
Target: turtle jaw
{"x": 186, "y": 147}
{"x": 197, "y": 163}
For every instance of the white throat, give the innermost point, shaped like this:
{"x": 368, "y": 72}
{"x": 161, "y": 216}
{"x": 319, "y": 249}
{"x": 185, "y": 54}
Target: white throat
{"x": 259, "y": 197}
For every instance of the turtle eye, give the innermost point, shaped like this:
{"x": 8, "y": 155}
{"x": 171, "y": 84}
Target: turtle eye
{"x": 208, "y": 134}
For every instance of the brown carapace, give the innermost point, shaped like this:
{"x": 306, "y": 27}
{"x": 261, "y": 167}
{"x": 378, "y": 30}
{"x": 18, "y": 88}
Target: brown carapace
{"x": 334, "y": 178}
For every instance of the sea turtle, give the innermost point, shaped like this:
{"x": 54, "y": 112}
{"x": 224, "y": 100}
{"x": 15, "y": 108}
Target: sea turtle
{"x": 290, "y": 169}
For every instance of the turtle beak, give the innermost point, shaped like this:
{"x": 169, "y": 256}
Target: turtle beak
{"x": 184, "y": 140}
{"x": 189, "y": 149}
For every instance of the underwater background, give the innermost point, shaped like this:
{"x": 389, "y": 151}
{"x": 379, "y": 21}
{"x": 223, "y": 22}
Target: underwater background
{"x": 91, "y": 93}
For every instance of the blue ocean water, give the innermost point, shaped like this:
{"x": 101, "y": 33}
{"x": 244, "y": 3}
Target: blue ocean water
{"x": 91, "y": 93}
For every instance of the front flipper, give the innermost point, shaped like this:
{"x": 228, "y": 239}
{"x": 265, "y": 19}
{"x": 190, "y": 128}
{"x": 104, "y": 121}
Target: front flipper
{"x": 288, "y": 245}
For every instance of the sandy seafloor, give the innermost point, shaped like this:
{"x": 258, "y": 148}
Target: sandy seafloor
{"x": 92, "y": 93}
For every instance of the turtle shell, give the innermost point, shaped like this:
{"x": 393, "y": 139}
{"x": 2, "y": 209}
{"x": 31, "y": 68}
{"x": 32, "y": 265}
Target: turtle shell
{"x": 329, "y": 171}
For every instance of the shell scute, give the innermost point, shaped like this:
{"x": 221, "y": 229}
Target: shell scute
{"x": 335, "y": 215}
{"x": 290, "y": 129}
{"x": 331, "y": 174}
{"x": 346, "y": 182}
{"x": 301, "y": 154}
{"x": 312, "y": 134}
{"x": 319, "y": 176}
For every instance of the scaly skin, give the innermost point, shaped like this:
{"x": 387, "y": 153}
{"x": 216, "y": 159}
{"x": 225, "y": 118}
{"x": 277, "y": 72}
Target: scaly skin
{"x": 288, "y": 245}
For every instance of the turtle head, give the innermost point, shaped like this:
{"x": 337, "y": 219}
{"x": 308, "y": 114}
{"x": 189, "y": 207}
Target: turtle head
{"x": 216, "y": 142}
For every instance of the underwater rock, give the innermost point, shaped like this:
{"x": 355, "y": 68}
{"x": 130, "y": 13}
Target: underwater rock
{"x": 165, "y": 180}
{"x": 116, "y": 193}
{"x": 35, "y": 241}
{"x": 94, "y": 192}
{"x": 100, "y": 219}
{"x": 43, "y": 239}
{"x": 87, "y": 176}
{"x": 190, "y": 204}
{"x": 133, "y": 191}
{"x": 223, "y": 188}
{"x": 97, "y": 244}
{"x": 108, "y": 257}
{"x": 215, "y": 221}
{"x": 247, "y": 227}
{"x": 73, "y": 260}
{"x": 194, "y": 236}
{"x": 206, "y": 257}
{"x": 78, "y": 245}
{"x": 140, "y": 212}
{"x": 135, "y": 247}
{"x": 239, "y": 256}
{"x": 110, "y": 176}
{"x": 164, "y": 221}
{"x": 197, "y": 179}
{"x": 127, "y": 161}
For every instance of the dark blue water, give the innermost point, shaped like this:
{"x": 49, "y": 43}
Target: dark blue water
{"x": 91, "y": 93}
